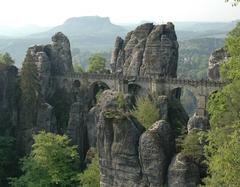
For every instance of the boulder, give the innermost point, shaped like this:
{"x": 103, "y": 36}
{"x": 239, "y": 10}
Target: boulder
{"x": 183, "y": 172}
{"x": 156, "y": 148}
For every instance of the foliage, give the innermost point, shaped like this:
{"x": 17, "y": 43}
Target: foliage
{"x": 224, "y": 161}
{"x": 51, "y": 162}
{"x": 7, "y": 159}
{"x": 91, "y": 176}
{"x": 230, "y": 70}
{"x": 234, "y": 2}
{"x": 191, "y": 146}
{"x": 222, "y": 151}
{"x": 121, "y": 101}
{"x": 78, "y": 68}
{"x": 146, "y": 112}
{"x": 6, "y": 59}
{"x": 97, "y": 64}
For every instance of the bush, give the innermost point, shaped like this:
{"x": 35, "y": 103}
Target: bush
{"x": 146, "y": 112}
{"x": 191, "y": 146}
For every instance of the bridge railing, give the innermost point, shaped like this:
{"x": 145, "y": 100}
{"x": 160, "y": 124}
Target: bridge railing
{"x": 160, "y": 79}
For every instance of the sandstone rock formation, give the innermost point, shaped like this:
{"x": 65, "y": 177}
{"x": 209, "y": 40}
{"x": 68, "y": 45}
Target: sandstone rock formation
{"x": 149, "y": 49}
{"x": 52, "y": 59}
{"x": 183, "y": 172}
{"x": 77, "y": 130}
{"x": 156, "y": 148}
{"x": 128, "y": 155}
{"x": 8, "y": 98}
{"x": 216, "y": 59}
{"x": 197, "y": 123}
{"x": 45, "y": 119}
{"x": 118, "y": 137}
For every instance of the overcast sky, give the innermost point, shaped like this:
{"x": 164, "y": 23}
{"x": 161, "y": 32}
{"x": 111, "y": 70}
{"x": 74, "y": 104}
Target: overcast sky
{"x": 54, "y": 12}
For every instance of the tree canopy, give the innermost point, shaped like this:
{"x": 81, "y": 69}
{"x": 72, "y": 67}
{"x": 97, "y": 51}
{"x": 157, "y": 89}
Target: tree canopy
{"x": 97, "y": 64}
{"x": 222, "y": 151}
{"x": 6, "y": 59}
{"x": 51, "y": 162}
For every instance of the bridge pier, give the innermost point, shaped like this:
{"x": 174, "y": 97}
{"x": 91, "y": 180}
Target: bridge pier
{"x": 123, "y": 86}
{"x": 201, "y": 105}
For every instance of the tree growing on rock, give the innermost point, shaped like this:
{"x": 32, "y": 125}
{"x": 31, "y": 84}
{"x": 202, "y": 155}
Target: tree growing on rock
{"x": 146, "y": 112}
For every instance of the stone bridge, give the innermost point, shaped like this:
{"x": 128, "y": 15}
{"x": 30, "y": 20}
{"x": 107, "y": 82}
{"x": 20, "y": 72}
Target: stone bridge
{"x": 142, "y": 85}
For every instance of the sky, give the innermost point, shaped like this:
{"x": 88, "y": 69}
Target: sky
{"x": 55, "y": 12}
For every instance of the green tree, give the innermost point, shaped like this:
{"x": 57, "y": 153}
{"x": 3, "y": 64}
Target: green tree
{"x": 222, "y": 151}
{"x": 6, "y": 59}
{"x": 7, "y": 159}
{"x": 97, "y": 64}
{"x": 52, "y": 162}
{"x": 192, "y": 146}
{"x": 146, "y": 112}
{"x": 91, "y": 176}
{"x": 230, "y": 70}
{"x": 78, "y": 68}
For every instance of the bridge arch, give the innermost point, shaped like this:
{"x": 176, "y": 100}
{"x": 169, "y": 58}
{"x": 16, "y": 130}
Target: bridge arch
{"x": 96, "y": 88}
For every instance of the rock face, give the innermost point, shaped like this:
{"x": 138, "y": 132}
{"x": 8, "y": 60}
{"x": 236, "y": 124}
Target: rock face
{"x": 216, "y": 59}
{"x": 77, "y": 130}
{"x": 45, "y": 119}
{"x": 128, "y": 155}
{"x": 118, "y": 140}
{"x": 197, "y": 123}
{"x": 157, "y": 146}
{"x": 52, "y": 59}
{"x": 182, "y": 172}
{"x": 91, "y": 124}
{"x": 8, "y": 98}
{"x": 149, "y": 49}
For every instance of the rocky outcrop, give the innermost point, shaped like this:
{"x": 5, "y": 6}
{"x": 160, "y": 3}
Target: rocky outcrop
{"x": 156, "y": 148}
{"x": 77, "y": 130}
{"x": 45, "y": 118}
{"x": 52, "y": 59}
{"x": 8, "y": 99}
{"x": 183, "y": 172}
{"x": 217, "y": 58}
{"x": 117, "y": 142}
{"x": 128, "y": 155}
{"x": 149, "y": 49}
{"x": 197, "y": 123}
{"x": 91, "y": 124}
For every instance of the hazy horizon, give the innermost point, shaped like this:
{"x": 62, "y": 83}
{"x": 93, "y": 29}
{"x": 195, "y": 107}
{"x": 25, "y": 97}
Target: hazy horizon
{"x": 52, "y": 13}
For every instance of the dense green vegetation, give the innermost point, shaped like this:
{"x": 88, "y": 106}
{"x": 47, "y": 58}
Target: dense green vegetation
{"x": 222, "y": 152}
{"x": 6, "y": 59}
{"x": 91, "y": 176}
{"x": 52, "y": 162}
{"x": 97, "y": 64}
{"x": 146, "y": 112}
